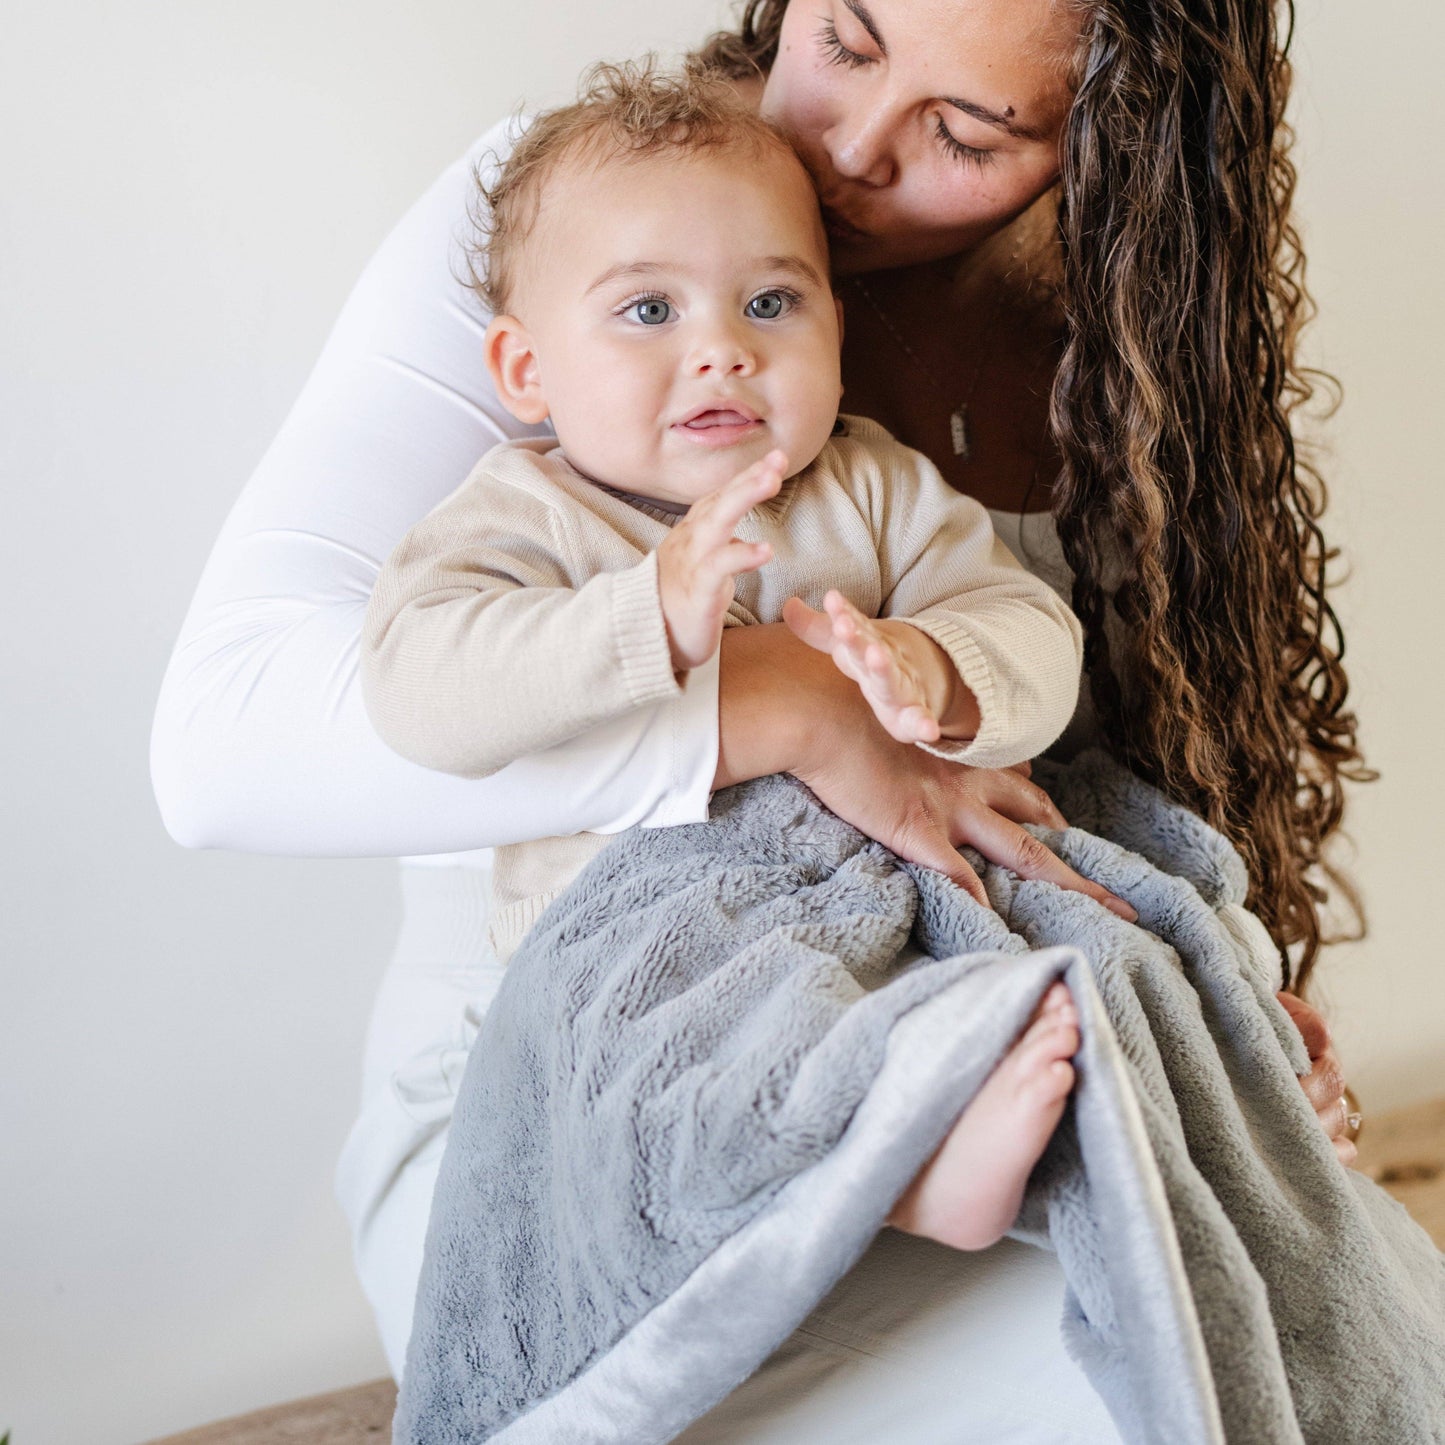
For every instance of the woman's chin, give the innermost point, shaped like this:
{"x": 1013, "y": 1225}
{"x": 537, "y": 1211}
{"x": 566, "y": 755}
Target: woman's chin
{"x": 856, "y": 255}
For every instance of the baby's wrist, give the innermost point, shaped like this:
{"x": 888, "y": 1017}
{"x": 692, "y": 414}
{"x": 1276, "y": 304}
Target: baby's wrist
{"x": 934, "y": 669}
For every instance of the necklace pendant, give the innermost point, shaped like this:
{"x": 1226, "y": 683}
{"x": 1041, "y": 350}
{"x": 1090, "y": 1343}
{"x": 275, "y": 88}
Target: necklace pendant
{"x": 958, "y": 432}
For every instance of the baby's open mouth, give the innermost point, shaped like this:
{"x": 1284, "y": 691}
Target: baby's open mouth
{"x": 707, "y": 419}
{"x": 720, "y": 426}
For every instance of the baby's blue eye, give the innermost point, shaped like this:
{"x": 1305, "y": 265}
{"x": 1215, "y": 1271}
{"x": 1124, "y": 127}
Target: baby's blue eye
{"x": 768, "y": 306}
{"x": 652, "y": 311}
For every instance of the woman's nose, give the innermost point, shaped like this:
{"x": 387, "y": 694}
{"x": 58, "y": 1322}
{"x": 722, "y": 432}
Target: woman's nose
{"x": 860, "y": 148}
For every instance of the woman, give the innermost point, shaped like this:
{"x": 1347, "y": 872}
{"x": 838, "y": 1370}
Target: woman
{"x": 1062, "y": 241}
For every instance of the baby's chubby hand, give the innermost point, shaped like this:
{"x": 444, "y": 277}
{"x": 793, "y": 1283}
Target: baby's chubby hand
{"x": 908, "y": 680}
{"x": 699, "y": 561}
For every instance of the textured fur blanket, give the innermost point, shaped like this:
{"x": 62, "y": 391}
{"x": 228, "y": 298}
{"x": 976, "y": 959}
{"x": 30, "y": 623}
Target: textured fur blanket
{"x": 711, "y": 1070}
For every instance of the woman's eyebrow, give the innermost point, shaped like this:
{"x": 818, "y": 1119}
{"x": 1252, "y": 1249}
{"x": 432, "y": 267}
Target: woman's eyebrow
{"x": 1002, "y": 121}
{"x": 860, "y": 10}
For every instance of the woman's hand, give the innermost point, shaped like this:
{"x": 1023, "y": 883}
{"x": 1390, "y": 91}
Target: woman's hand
{"x": 786, "y": 708}
{"x": 1324, "y": 1085}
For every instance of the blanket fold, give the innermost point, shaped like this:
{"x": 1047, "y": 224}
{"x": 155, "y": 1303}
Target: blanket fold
{"x": 721, "y": 1055}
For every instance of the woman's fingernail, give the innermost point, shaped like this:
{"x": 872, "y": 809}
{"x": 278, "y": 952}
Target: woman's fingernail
{"x": 1117, "y": 905}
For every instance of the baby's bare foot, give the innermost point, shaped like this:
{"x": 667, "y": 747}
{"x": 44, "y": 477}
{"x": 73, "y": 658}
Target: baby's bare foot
{"x": 970, "y": 1191}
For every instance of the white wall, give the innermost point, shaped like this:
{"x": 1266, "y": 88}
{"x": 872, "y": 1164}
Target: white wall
{"x": 1371, "y": 121}
{"x": 186, "y": 193}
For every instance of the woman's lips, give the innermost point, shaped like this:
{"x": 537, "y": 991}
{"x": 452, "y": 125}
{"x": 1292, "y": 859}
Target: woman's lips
{"x": 838, "y": 228}
{"x": 718, "y": 427}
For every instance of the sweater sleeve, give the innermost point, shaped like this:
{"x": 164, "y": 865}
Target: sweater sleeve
{"x": 1015, "y": 643}
{"x": 260, "y": 740}
{"x": 489, "y": 637}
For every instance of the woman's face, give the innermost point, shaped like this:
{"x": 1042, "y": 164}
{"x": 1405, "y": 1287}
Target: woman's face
{"x": 927, "y": 125}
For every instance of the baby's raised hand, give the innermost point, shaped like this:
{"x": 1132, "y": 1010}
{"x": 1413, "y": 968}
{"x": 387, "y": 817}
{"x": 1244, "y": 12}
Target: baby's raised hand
{"x": 699, "y": 561}
{"x": 906, "y": 677}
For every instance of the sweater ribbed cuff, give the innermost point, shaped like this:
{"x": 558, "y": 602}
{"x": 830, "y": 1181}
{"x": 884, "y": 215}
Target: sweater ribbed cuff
{"x": 510, "y": 924}
{"x": 643, "y": 652}
{"x": 988, "y": 747}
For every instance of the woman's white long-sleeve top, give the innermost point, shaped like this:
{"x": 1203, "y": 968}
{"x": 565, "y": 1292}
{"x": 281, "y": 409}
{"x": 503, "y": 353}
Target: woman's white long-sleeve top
{"x": 261, "y": 742}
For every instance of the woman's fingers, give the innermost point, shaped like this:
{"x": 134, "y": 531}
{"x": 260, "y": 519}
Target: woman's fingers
{"x": 1309, "y": 1021}
{"x": 1010, "y": 846}
{"x": 929, "y": 847}
{"x": 1011, "y": 793}
{"x": 1324, "y": 1085}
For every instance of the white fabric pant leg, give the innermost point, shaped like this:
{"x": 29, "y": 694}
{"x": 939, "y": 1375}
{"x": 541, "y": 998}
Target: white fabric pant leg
{"x": 441, "y": 978}
{"x": 918, "y": 1344}
{"x": 923, "y": 1345}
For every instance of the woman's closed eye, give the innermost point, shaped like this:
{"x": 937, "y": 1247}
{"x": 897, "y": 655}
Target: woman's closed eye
{"x": 969, "y": 155}
{"x": 836, "y": 53}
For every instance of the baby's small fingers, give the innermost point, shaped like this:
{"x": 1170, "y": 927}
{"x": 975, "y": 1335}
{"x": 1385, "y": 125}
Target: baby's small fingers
{"x": 922, "y": 725}
{"x": 813, "y": 627}
{"x": 844, "y": 613}
{"x": 881, "y": 659}
{"x": 891, "y": 683}
{"x": 735, "y": 557}
{"x": 716, "y": 516}
{"x": 845, "y": 629}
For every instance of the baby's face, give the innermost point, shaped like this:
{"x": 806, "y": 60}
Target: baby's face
{"x": 681, "y": 318}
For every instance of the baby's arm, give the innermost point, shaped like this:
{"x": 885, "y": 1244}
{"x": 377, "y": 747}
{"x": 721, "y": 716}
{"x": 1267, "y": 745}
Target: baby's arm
{"x": 488, "y": 637}
{"x": 502, "y": 625}
{"x": 1014, "y": 647}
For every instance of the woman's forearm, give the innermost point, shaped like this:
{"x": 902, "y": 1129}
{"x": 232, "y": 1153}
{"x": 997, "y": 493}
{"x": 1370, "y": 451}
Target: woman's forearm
{"x": 777, "y": 698}
{"x": 261, "y": 744}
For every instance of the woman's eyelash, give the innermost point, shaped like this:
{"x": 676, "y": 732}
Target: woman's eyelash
{"x": 836, "y": 52}
{"x": 969, "y": 155}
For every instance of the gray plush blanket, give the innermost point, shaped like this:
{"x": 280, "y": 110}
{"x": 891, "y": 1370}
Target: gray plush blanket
{"x": 719, "y": 1058}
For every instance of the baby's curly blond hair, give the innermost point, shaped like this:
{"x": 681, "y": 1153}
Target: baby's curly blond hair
{"x": 622, "y": 111}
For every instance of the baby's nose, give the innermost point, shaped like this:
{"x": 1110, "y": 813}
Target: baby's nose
{"x": 724, "y": 352}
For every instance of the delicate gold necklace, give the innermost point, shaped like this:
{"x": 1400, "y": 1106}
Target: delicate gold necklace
{"x": 960, "y": 432}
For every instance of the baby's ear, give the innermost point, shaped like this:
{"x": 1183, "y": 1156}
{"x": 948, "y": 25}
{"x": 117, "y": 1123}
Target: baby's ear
{"x": 511, "y": 357}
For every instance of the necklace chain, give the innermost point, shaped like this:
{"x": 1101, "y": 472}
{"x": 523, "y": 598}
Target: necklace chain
{"x": 959, "y": 431}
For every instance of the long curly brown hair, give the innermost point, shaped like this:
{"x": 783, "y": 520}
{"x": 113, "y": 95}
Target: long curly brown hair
{"x": 1184, "y": 495}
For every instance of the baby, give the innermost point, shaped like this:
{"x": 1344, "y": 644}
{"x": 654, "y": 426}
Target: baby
{"x": 659, "y": 277}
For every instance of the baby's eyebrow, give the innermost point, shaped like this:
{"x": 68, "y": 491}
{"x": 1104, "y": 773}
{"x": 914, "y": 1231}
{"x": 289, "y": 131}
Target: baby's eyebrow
{"x": 794, "y": 266}
{"x": 626, "y": 268}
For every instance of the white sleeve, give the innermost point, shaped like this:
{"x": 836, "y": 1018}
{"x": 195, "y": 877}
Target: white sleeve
{"x": 261, "y": 742}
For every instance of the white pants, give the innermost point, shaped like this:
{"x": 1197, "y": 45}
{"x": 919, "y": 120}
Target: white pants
{"x": 917, "y": 1344}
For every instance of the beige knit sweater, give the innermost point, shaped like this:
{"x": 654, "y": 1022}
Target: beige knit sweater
{"x": 524, "y": 610}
